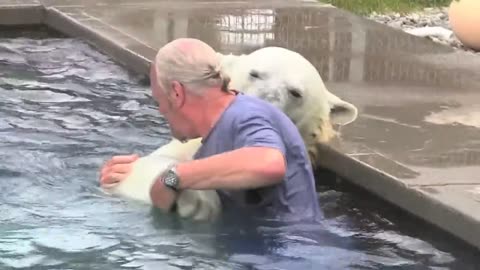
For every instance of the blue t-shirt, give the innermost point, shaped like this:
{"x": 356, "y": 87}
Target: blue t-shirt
{"x": 250, "y": 121}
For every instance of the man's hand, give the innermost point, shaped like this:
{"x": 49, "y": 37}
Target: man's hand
{"x": 162, "y": 196}
{"x": 117, "y": 169}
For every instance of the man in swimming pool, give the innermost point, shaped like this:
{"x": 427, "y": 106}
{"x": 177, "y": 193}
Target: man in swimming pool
{"x": 252, "y": 153}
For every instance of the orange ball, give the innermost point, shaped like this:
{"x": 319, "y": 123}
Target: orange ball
{"x": 464, "y": 16}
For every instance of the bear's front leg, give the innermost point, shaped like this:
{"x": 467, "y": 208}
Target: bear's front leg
{"x": 199, "y": 205}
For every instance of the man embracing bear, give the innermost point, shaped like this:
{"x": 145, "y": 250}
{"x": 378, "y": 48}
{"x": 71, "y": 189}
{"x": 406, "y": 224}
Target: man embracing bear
{"x": 251, "y": 154}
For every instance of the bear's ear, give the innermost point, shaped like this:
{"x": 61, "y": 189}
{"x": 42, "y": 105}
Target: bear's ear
{"x": 341, "y": 112}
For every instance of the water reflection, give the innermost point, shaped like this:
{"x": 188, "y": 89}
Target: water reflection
{"x": 413, "y": 95}
{"x": 249, "y": 29}
{"x": 325, "y": 36}
{"x": 65, "y": 108}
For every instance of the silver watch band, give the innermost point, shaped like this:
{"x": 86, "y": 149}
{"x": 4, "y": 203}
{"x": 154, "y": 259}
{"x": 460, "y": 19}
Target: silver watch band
{"x": 170, "y": 178}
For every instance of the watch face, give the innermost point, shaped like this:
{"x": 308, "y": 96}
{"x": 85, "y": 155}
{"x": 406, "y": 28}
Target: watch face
{"x": 171, "y": 180}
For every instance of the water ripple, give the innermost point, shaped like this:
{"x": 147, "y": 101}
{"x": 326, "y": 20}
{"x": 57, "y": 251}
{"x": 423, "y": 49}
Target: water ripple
{"x": 64, "y": 109}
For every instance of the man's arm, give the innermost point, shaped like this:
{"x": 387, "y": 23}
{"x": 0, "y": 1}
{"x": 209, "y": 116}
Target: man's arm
{"x": 245, "y": 168}
{"x": 259, "y": 161}
{"x": 162, "y": 196}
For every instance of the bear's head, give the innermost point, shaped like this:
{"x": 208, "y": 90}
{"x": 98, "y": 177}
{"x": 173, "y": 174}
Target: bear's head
{"x": 290, "y": 82}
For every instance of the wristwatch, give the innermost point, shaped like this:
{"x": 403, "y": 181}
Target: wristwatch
{"x": 170, "y": 178}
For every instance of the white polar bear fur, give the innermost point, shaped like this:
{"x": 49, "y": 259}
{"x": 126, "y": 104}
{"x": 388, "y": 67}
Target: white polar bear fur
{"x": 282, "y": 77}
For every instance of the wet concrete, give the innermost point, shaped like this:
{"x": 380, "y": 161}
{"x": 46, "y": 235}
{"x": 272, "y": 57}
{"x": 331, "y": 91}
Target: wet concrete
{"x": 17, "y": 12}
{"x": 416, "y": 142}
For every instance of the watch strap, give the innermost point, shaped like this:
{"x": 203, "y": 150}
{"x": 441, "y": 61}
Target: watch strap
{"x": 170, "y": 178}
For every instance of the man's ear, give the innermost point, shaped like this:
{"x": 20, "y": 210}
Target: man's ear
{"x": 177, "y": 95}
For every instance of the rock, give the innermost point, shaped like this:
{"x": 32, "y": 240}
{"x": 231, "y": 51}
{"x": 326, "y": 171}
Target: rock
{"x": 432, "y": 23}
{"x": 415, "y": 17}
{"x": 396, "y": 24}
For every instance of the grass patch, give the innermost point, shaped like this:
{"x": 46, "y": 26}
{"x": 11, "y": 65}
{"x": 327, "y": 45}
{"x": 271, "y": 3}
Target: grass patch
{"x": 365, "y": 7}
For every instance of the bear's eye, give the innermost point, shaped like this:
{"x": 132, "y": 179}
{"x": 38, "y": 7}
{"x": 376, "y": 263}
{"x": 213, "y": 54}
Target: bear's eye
{"x": 294, "y": 92}
{"x": 255, "y": 74}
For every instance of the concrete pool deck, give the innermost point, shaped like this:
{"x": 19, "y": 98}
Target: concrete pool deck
{"x": 416, "y": 142}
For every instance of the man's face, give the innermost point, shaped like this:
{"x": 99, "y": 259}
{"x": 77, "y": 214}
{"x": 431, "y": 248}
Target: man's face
{"x": 180, "y": 126}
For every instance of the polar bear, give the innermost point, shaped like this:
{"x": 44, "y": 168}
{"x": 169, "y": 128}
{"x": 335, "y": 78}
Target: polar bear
{"x": 290, "y": 82}
{"x": 278, "y": 75}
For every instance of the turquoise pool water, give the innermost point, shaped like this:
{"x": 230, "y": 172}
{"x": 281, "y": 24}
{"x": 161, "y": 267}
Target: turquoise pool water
{"x": 65, "y": 108}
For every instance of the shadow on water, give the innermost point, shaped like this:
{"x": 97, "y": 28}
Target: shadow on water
{"x": 65, "y": 108}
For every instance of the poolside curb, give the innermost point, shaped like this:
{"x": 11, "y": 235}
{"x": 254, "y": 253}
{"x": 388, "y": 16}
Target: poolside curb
{"x": 72, "y": 27}
{"x": 13, "y": 15}
{"x": 409, "y": 198}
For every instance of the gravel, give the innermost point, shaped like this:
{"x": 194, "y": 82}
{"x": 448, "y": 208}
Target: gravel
{"x": 430, "y": 23}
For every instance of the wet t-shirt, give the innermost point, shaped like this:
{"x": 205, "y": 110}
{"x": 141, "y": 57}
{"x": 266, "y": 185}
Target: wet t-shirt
{"x": 250, "y": 121}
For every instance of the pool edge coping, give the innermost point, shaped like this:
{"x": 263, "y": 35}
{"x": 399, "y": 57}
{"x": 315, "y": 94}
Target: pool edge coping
{"x": 14, "y": 15}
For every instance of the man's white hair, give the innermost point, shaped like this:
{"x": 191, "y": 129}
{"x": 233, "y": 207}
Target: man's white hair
{"x": 190, "y": 62}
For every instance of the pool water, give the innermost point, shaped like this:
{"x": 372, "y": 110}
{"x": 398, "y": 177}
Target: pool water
{"x": 65, "y": 108}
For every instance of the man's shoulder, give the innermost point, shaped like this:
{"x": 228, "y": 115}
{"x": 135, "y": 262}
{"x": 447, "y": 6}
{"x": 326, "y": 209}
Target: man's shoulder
{"x": 249, "y": 109}
{"x": 253, "y": 110}
{"x": 249, "y": 100}
{"x": 248, "y": 106}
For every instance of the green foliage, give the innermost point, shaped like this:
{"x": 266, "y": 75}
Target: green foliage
{"x": 364, "y": 7}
